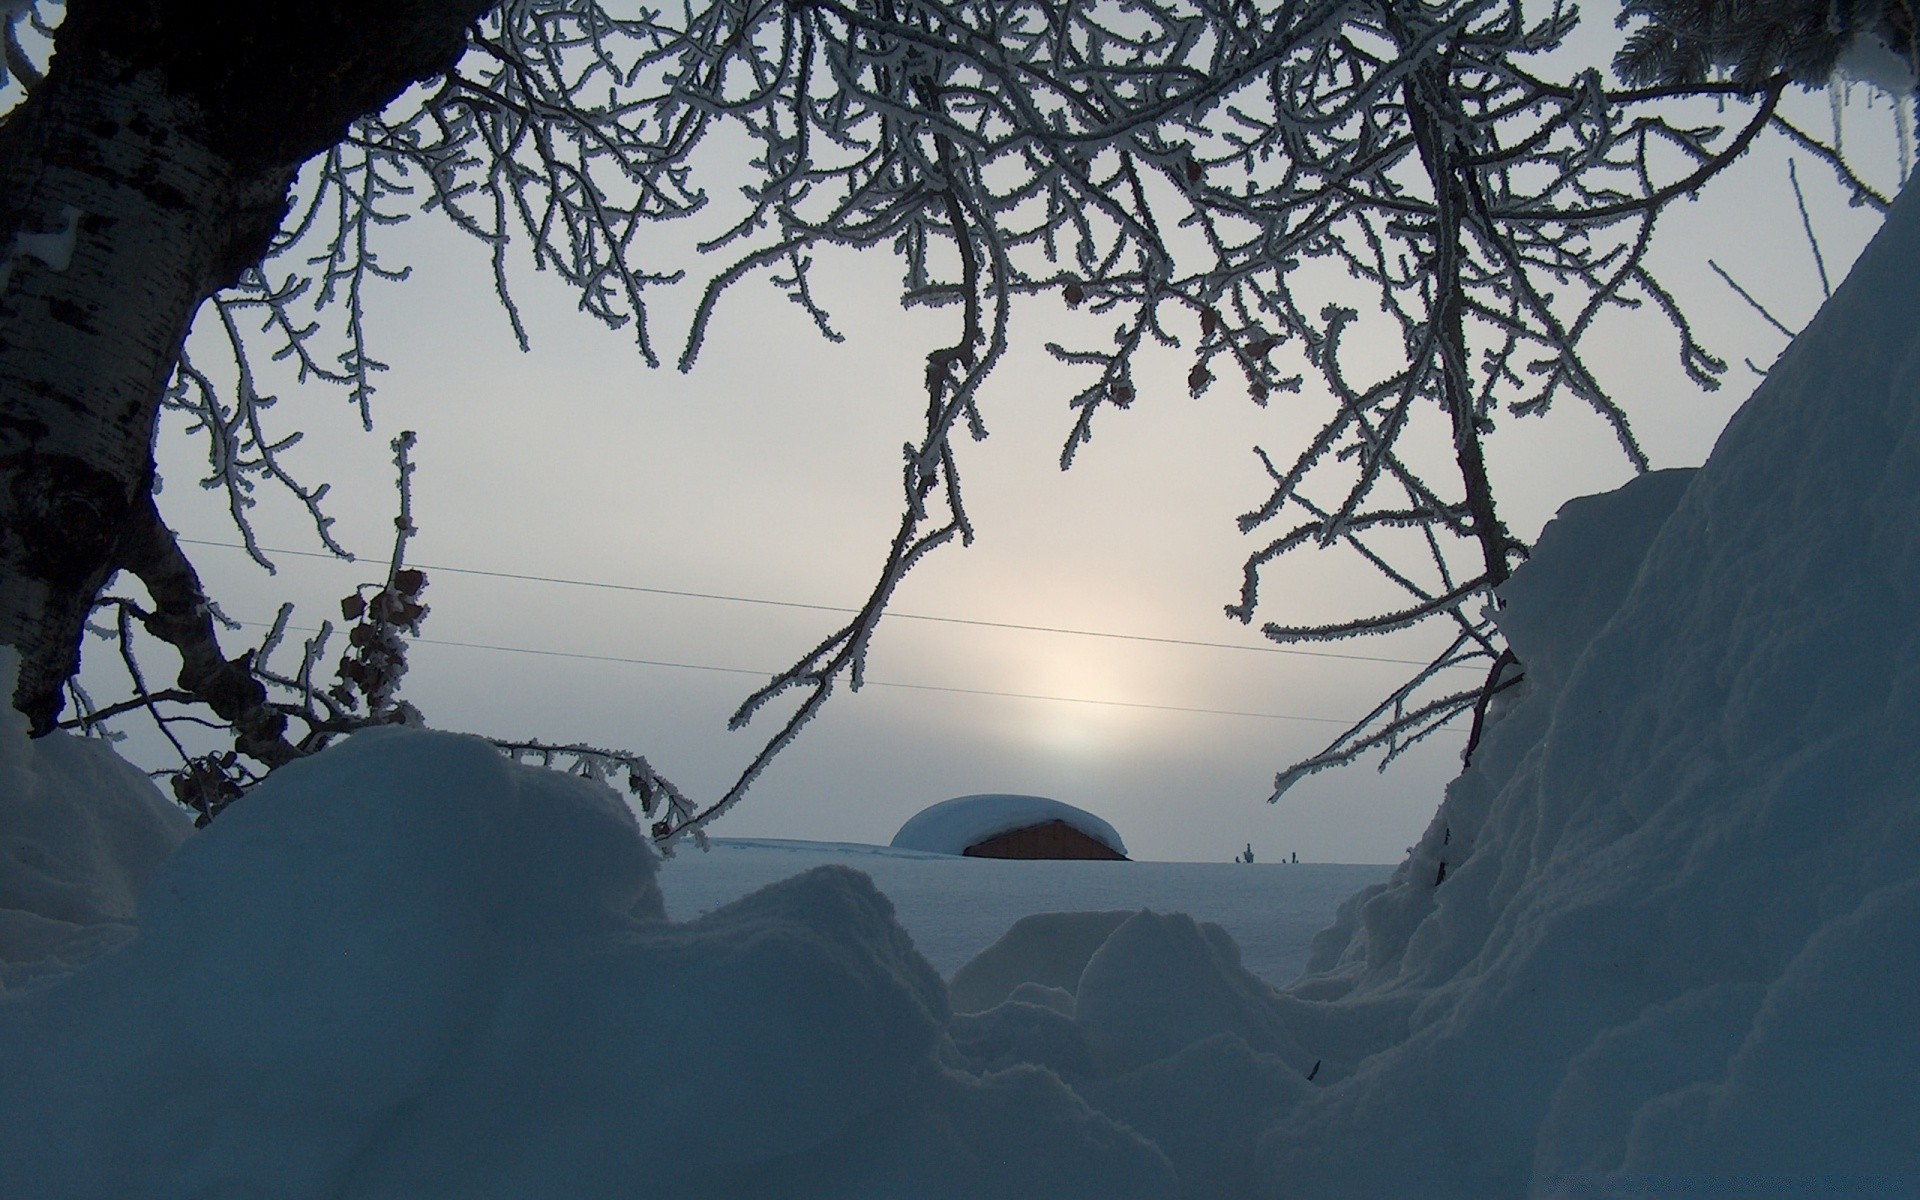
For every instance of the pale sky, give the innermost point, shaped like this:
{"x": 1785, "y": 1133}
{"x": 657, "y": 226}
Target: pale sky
{"x": 773, "y": 472}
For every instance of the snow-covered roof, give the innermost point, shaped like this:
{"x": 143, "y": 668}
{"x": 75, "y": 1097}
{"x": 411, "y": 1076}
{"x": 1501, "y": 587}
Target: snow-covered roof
{"x": 950, "y": 826}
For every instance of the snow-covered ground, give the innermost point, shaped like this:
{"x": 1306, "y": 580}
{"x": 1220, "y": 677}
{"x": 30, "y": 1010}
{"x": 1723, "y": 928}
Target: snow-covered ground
{"x": 1662, "y": 939}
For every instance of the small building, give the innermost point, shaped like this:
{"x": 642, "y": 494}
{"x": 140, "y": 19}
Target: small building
{"x": 1000, "y": 825}
{"x": 1049, "y": 839}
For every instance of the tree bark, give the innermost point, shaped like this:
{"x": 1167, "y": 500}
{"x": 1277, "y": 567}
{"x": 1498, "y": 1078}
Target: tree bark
{"x": 144, "y": 173}
{"x": 86, "y": 348}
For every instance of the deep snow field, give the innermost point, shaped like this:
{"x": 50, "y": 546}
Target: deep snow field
{"x": 1662, "y": 939}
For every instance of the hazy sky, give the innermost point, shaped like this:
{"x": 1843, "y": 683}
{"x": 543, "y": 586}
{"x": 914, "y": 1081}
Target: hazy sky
{"x": 772, "y": 472}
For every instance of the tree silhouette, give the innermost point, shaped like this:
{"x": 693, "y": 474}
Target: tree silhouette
{"x": 1193, "y": 172}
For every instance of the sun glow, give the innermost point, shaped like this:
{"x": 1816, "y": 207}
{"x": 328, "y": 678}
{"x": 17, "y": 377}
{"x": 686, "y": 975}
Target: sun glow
{"x": 1086, "y": 713}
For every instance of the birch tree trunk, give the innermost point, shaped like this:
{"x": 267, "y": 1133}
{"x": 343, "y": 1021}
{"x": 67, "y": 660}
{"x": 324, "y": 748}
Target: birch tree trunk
{"x": 145, "y": 172}
{"x": 157, "y": 220}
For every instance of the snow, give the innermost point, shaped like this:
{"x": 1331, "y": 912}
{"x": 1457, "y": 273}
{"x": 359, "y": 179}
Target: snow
{"x": 410, "y": 967}
{"x": 1662, "y": 938}
{"x": 1045, "y": 953}
{"x": 950, "y": 826}
{"x": 954, "y": 908}
{"x": 1701, "y": 793}
{"x": 70, "y": 872}
{"x": 1870, "y": 60}
{"x": 54, "y": 248}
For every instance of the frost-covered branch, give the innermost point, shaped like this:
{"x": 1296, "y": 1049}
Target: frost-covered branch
{"x": 1205, "y": 179}
{"x": 1496, "y": 215}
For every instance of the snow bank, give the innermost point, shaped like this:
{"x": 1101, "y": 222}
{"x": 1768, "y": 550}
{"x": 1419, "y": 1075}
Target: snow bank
{"x": 408, "y": 967}
{"x": 70, "y": 873}
{"x": 1694, "y": 828}
{"x": 950, "y": 826}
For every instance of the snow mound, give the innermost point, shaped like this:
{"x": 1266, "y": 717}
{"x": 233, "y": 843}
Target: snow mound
{"x": 1163, "y": 982}
{"x": 410, "y": 967}
{"x": 950, "y": 826}
{"x": 1692, "y": 826}
{"x": 71, "y": 874}
{"x": 1045, "y": 950}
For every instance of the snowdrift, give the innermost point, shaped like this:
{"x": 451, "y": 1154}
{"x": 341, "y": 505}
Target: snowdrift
{"x": 1679, "y": 903}
{"x": 81, "y": 835}
{"x": 1661, "y": 939}
{"x": 410, "y": 968}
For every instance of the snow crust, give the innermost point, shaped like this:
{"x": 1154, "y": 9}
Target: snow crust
{"x": 950, "y": 826}
{"x": 1662, "y": 938}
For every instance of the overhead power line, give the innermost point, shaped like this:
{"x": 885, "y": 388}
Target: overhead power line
{"x": 831, "y": 608}
{"x": 916, "y": 687}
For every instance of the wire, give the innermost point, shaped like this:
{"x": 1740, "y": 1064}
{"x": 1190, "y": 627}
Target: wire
{"x": 830, "y": 608}
{"x": 916, "y": 687}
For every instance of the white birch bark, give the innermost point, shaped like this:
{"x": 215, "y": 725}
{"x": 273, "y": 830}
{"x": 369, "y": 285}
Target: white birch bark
{"x": 86, "y": 346}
